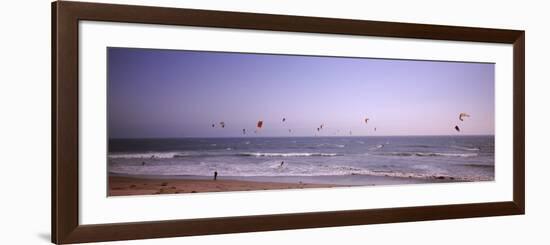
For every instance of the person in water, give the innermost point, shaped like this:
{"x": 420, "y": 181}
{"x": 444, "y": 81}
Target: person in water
{"x": 282, "y": 162}
{"x": 215, "y": 175}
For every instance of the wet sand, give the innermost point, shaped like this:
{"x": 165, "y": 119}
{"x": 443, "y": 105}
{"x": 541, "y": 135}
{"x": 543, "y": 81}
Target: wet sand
{"x": 126, "y": 186}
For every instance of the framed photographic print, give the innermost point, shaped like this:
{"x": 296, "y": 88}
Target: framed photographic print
{"x": 175, "y": 122}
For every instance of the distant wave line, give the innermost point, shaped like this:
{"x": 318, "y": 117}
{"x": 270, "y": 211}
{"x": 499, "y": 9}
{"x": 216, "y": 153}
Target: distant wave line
{"x": 426, "y": 154}
{"x": 165, "y": 155}
{"x": 292, "y": 154}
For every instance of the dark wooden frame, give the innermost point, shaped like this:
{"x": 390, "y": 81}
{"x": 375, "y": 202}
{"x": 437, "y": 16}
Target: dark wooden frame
{"x": 65, "y": 208}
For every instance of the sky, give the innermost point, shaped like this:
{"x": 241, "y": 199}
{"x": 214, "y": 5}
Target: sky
{"x": 172, "y": 93}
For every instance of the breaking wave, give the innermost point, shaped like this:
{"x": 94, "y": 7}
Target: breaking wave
{"x": 271, "y": 169}
{"x": 144, "y": 155}
{"x": 165, "y": 155}
{"x": 292, "y": 154}
{"x": 465, "y": 148}
{"x": 427, "y": 154}
{"x": 376, "y": 147}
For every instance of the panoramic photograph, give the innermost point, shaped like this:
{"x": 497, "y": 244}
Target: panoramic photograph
{"x": 184, "y": 121}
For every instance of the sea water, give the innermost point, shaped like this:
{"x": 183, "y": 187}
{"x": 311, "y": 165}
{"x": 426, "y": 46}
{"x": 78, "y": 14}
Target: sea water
{"x": 458, "y": 158}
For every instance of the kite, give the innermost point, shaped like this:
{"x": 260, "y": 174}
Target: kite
{"x": 222, "y": 124}
{"x": 457, "y": 128}
{"x": 366, "y": 120}
{"x": 244, "y": 131}
{"x": 462, "y": 116}
{"x": 284, "y": 119}
{"x": 260, "y": 124}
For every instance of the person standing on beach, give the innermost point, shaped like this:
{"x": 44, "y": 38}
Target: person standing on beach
{"x": 215, "y": 175}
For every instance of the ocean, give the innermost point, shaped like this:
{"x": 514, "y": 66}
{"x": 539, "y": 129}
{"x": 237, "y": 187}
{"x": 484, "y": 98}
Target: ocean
{"x": 334, "y": 160}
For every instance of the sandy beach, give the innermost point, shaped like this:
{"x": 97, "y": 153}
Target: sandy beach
{"x": 124, "y": 186}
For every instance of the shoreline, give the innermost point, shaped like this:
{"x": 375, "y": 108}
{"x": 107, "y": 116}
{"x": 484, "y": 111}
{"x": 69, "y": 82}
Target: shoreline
{"x": 129, "y": 186}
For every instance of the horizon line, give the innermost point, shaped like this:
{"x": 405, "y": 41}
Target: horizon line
{"x": 321, "y": 136}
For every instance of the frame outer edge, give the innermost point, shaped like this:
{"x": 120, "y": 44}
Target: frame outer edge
{"x": 287, "y": 23}
{"x": 519, "y": 121}
{"x": 53, "y": 122}
{"x": 65, "y": 212}
{"x": 65, "y": 199}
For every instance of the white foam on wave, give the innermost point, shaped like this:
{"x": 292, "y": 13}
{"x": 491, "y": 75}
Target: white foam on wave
{"x": 292, "y": 154}
{"x": 274, "y": 168}
{"x": 427, "y": 154}
{"x": 331, "y": 145}
{"x": 376, "y": 147}
{"x": 446, "y": 154}
{"x": 143, "y": 155}
{"x": 164, "y": 155}
{"x": 465, "y": 148}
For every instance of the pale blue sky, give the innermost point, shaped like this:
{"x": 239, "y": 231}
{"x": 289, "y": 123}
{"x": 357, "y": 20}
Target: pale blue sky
{"x": 169, "y": 93}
